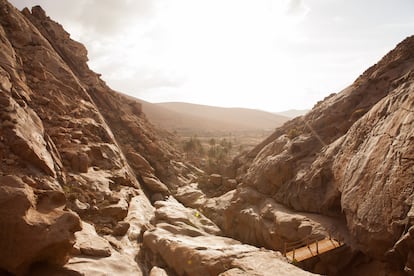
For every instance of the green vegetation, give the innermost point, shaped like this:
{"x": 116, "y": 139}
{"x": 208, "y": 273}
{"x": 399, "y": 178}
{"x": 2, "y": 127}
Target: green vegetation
{"x": 211, "y": 155}
{"x": 193, "y": 148}
{"x": 214, "y": 152}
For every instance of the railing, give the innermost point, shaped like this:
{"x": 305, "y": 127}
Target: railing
{"x": 291, "y": 247}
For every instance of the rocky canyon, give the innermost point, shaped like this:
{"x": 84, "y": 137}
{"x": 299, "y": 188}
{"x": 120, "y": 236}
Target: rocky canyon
{"x": 89, "y": 186}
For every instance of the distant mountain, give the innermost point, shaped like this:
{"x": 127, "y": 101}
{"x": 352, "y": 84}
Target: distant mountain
{"x": 189, "y": 118}
{"x": 292, "y": 113}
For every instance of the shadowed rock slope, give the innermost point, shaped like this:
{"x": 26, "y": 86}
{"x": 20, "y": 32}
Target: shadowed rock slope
{"x": 350, "y": 157}
{"x": 75, "y": 155}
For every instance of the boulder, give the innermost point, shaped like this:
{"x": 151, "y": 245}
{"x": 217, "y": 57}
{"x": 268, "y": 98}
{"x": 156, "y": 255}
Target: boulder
{"x": 156, "y": 197}
{"x": 89, "y": 243}
{"x": 174, "y": 213}
{"x": 139, "y": 163}
{"x": 34, "y": 226}
{"x": 26, "y": 138}
{"x": 121, "y": 228}
{"x": 191, "y": 196}
{"x": 83, "y": 163}
{"x": 230, "y": 184}
{"x": 157, "y": 271}
{"x": 116, "y": 211}
{"x": 79, "y": 207}
{"x": 155, "y": 185}
{"x": 185, "y": 246}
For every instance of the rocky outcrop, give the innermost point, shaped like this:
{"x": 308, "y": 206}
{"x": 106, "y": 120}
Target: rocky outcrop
{"x": 63, "y": 153}
{"x": 34, "y": 227}
{"x": 188, "y": 242}
{"x": 349, "y": 157}
{"x": 373, "y": 172}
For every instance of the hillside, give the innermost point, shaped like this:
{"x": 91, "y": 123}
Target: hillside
{"x": 186, "y": 118}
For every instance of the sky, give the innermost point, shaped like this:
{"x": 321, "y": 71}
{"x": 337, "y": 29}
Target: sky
{"x": 272, "y": 55}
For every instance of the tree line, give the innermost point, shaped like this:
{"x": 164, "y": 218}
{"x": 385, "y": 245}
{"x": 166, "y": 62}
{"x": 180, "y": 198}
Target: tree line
{"x": 212, "y": 156}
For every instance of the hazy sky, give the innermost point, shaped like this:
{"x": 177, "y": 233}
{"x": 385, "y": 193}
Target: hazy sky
{"x": 267, "y": 54}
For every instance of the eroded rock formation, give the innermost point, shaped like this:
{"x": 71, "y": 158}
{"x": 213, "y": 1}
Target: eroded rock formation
{"x": 350, "y": 157}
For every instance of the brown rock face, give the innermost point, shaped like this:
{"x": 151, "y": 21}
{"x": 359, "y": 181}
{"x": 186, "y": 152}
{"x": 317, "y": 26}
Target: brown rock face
{"x": 57, "y": 145}
{"x": 373, "y": 171}
{"x": 349, "y": 157}
{"x": 33, "y": 226}
{"x": 184, "y": 240}
{"x": 65, "y": 137}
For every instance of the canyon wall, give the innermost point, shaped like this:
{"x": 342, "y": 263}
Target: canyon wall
{"x": 349, "y": 158}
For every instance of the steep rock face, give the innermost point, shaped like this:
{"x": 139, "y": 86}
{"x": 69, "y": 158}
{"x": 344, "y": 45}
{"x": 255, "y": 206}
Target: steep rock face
{"x": 373, "y": 171}
{"x": 35, "y": 226}
{"x": 56, "y": 142}
{"x": 93, "y": 168}
{"x": 350, "y": 157}
{"x": 281, "y": 163}
{"x": 128, "y": 124}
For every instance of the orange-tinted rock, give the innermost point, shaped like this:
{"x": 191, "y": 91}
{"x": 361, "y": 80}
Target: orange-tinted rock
{"x": 89, "y": 243}
{"x": 34, "y": 227}
{"x": 349, "y": 157}
{"x": 121, "y": 228}
{"x": 373, "y": 172}
{"x": 185, "y": 246}
{"x": 25, "y": 136}
{"x": 155, "y": 185}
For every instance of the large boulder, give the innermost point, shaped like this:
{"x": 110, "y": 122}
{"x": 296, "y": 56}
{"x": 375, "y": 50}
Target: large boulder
{"x": 24, "y": 133}
{"x": 248, "y": 216}
{"x": 34, "y": 227}
{"x": 184, "y": 243}
{"x": 373, "y": 172}
{"x": 155, "y": 185}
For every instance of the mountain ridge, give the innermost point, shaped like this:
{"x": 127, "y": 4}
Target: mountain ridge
{"x": 196, "y": 118}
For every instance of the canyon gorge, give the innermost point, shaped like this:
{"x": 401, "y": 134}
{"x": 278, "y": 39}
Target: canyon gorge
{"x": 89, "y": 186}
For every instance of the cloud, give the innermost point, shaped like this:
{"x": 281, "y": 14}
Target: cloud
{"x": 109, "y": 17}
{"x": 97, "y": 17}
{"x": 134, "y": 78}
